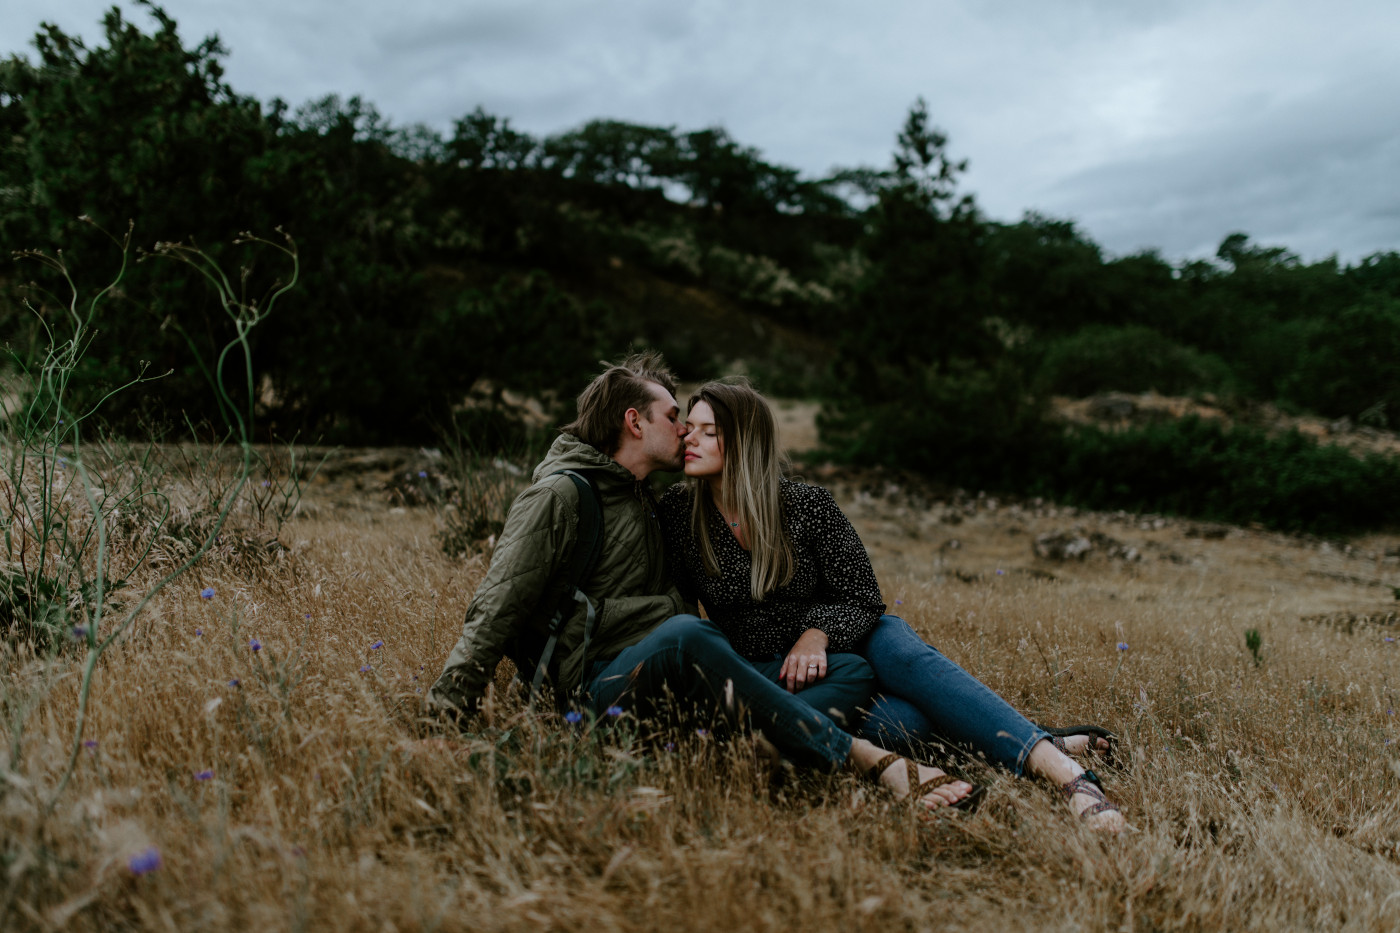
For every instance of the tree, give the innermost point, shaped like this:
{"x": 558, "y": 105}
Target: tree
{"x": 922, "y": 299}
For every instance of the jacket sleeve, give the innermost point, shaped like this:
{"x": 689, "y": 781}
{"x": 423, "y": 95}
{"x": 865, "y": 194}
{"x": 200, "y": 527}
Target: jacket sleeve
{"x": 539, "y": 531}
{"x": 848, "y": 602}
{"x": 674, "y": 512}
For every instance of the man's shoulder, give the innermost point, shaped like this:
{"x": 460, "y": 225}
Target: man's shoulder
{"x": 550, "y": 486}
{"x": 550, "y": 501}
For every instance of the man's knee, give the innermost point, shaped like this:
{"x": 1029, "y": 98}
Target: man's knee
{"x": 682, "y": 632}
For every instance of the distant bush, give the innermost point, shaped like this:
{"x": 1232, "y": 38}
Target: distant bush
{"x": 974, "y": 432}
{"x": 1349, "y": 365}
{"x": 1100, "y": 357}
{"x": 1195, "y": 467}
{"x": 958, "y": 422}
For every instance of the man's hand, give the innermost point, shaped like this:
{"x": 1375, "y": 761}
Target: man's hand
{"x": 806, "y": 662}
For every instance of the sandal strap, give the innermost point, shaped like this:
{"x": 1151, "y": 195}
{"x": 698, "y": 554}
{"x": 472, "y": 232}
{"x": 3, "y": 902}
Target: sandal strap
{"x": 1084, "y": 784}
{"x": 1098, "y": 732}
{"x": 931, "y": 784}
{"x": 1089, "y": 785}
{"x": 879, "y": 767}
{"x": 1096, "y": 808}
{"x": 918, "y": 791}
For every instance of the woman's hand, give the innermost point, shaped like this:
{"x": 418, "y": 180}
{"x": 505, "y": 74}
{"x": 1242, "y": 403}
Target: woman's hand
{"x": 806, "y": 662}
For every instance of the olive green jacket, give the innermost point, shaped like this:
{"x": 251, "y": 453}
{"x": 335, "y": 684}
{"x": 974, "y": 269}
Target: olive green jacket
{"x": 509, "y": 614}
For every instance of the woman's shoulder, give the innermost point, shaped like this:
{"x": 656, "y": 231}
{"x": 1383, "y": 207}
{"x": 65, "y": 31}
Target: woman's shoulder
{"x": 797, "y": 492}
{"x": 676, "y": 499}
{"x": 809, "y": 506}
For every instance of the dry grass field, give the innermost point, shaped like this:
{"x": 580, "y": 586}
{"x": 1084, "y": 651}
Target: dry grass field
{"x": 255, "y": 760}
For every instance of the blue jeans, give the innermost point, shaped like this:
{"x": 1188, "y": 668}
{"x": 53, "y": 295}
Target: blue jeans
{"x": 687, "y": 661}
{"x": 926, "y": 698}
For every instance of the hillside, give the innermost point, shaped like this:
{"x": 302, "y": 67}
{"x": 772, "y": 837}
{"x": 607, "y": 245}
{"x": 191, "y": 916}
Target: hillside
{"x": 290, "y": 782}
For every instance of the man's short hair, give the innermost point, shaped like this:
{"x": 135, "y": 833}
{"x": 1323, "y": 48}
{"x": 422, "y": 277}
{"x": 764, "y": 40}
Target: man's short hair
{"x": 621, "y": 386}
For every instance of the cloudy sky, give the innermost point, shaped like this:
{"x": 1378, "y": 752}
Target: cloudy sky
{"x": 1166, "y": 125}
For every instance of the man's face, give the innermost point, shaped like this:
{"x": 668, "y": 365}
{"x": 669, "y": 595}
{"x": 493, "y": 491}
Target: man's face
{"x": 663, "y": 434}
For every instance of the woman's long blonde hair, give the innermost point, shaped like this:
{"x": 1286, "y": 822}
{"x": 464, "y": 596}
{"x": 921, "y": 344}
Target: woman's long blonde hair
{"x": 753, "y": 466}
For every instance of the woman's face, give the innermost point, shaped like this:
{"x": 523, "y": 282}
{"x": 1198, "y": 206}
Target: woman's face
{"x": 704, "y": 448}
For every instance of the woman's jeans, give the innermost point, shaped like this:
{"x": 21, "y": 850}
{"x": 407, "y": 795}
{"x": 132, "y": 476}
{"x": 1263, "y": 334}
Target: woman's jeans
{"x": 925, "y": 698}
{"x": 687, "y": 665}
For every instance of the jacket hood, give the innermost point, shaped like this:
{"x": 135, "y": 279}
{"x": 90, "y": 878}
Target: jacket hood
{"x": 569, "y": 453}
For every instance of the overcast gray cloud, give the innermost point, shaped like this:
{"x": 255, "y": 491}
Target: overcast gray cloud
{"x": 1164, "y": 125}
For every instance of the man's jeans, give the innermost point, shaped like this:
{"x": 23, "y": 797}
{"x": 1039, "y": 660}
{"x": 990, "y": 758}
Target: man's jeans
{"x": 689, "y": 662}
{"x": 925, "y": 698}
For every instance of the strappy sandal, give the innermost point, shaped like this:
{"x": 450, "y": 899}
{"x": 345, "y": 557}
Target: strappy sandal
{"x": 1089, "y": 785}
{"x": 1058, "y": 736}
{"x": 918, "y": 791}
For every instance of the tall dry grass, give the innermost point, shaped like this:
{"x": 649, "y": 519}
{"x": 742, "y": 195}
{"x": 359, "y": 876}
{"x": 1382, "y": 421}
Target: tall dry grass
{"x": 290, "y": 787}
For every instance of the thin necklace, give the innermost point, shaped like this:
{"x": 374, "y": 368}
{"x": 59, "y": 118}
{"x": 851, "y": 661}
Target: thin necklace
{"x": 725, "y": 517}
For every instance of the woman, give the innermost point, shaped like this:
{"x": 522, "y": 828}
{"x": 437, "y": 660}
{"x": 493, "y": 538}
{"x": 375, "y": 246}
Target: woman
{"x": 781, "y": 571}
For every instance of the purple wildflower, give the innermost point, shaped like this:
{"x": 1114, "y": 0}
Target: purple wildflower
{"x": 1000, "y": 571}
{"x": 80, "y": 631}
{"x": 254, "y": 644}
{"x": 701, "y": 732}
{"x": 365, "y": 668}
{"x": 377, "y": 645}
{"x": 422, "y": 474}
{"x": 203, "y": 775}
{"x": 199, "y": 632}
{"x": 614, "y": 711}
{"x": 1390, "y": 639}
{"x": 207, "y": 593}
{"x": 234, "y": 682}
{"x": 89, "y": 743}
{"x": 899, "y": 602}
{"x": 145, "y": 861}
{"x": 670, "y": 746}
{"x": 1122, "y": 646}
{"x": 573, "y": 717}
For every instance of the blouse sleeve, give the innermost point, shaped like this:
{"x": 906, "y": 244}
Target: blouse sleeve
{"x": 848, "y": 602}
{"x": 673, "y": 510}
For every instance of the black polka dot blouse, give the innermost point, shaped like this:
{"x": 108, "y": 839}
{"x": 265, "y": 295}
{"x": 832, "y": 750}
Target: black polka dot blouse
{"x": 833, "y": 589}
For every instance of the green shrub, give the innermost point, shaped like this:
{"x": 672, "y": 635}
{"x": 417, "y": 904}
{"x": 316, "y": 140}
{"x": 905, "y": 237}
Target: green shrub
{"x": 1350, "y": 365}
{"x": 1195, "y": 467}
{"x": 959, "y": 423}
{"x": 1099, "y": 358}
{"x": 978, "y": 430}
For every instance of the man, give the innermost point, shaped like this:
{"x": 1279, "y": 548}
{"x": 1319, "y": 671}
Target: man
{"x": 628, "y": 427}
{"x": 645, "y": 651}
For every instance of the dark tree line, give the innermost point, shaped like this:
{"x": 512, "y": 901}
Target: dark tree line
{"x": 434, "y": 261}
